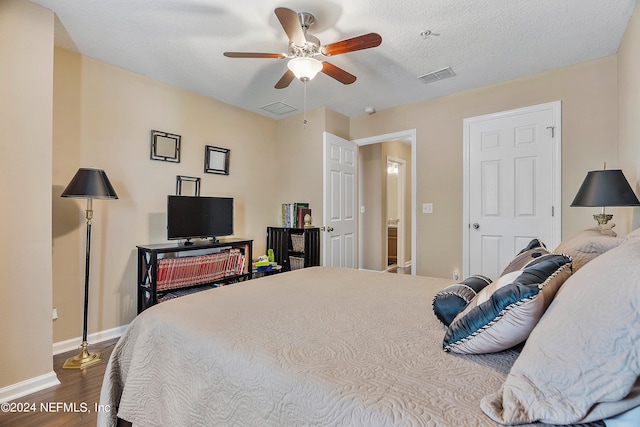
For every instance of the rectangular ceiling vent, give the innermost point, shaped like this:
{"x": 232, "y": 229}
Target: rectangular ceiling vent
{"x": 278, "y": 108}
{"x": 434, "y": 76}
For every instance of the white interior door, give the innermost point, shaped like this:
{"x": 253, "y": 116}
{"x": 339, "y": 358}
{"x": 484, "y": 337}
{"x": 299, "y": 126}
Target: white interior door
{"x": 339, "y": 228}
{"x": 512, "y": 186}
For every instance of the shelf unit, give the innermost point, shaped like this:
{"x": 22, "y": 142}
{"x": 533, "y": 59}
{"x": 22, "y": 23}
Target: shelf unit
{"x": 170, "y": 270}
{"x": 281, "y": 241}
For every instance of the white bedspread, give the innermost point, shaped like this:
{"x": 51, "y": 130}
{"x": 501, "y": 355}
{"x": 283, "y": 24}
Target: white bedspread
{"x": 313, "y": 347}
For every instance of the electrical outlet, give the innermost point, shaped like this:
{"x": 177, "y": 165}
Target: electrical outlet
{"x": 427, "y": 208}
{"x": 362, "y": 209}
{"x": 54, "y": 314}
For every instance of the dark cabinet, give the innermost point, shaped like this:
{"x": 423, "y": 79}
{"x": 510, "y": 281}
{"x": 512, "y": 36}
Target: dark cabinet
{"x": 294, "y": 248}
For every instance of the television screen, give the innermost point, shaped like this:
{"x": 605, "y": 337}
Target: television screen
{"x": 191, "y": 217}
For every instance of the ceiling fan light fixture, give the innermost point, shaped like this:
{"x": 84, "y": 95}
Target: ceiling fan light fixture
{"x": 305, "y": 68}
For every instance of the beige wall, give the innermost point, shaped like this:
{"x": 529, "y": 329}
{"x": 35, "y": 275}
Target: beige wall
{"x": 589, "y": 109}
{"x": 299, "y": 151}
{"x": 370, "y": 195}
{"x": 629, "y": 109}
{"x": 26, "y": 46}
{"x": 103, "y": 118}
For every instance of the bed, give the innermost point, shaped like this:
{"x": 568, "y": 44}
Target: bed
{"x": 318, "y": 346}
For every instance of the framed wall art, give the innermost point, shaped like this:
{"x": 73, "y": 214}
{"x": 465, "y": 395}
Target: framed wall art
{"x": 216, "y": 160}
{"x": 165, "y": 146}
{"x": 187, "y": 186}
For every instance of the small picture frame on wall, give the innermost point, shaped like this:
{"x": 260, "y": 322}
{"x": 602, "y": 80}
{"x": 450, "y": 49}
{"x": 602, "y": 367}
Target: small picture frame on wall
{"x": 216, "y": 160}
{"x": 187, "y": 186}
{"x": 165, "y": 146}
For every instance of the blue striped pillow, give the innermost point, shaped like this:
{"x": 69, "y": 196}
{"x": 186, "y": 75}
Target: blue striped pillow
{"x": 454, "y": 298}
{"x": 505, "y": 312}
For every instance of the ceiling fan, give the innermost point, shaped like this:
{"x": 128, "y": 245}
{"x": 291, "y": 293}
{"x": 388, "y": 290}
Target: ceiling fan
{"x": 303, "y": 47}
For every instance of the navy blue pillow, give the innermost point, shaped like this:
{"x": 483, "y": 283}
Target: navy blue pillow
{"x": 454, "y": 298}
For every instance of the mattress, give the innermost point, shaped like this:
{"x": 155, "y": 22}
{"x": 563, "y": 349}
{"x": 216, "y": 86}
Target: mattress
{"x": 313, "y": 347}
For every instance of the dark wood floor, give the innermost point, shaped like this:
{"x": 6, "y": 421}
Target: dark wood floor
{"x": 78, "y": 389}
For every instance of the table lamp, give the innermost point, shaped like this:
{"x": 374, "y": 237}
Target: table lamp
{"x": 607, "y": 187}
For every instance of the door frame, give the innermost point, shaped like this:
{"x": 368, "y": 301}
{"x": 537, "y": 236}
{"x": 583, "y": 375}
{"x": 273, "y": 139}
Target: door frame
{"x": 556, "y": 170}
{"x": 409, "y": 135}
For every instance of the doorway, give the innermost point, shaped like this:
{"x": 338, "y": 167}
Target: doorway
{"x": 373, "y": 226}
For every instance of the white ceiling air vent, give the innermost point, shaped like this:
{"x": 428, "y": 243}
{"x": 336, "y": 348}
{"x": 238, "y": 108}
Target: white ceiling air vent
{"x": 434, "y": 76}
{"x": 278, "y": 108}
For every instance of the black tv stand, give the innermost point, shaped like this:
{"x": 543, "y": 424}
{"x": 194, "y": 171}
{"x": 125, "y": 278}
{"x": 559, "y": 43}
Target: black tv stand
{"x": 194, "y": 266}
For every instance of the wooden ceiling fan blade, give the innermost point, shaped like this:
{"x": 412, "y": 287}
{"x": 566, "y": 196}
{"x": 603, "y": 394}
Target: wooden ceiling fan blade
{"x": 365, "y": 41}
{"x": 291, "y": 25}
{"x": 254, "y": 55}
{"x": 285, "y": 80}
{"x": 337, "y": 73}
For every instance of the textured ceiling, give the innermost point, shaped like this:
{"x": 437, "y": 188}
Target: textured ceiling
{"x": 484, "y": 41}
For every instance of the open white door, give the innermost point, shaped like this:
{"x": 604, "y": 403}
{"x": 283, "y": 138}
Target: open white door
{"x": 339, "y": 194}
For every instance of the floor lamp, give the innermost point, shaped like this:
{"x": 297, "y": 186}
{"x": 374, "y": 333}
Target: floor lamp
{"x": 87, "y": 184}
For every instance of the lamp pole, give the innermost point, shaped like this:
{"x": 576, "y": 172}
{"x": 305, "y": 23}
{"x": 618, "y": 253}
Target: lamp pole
{"x": 85, "y": 359}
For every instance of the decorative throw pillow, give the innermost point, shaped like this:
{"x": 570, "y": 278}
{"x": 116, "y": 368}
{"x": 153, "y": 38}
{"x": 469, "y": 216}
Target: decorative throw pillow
{"x": 454, "y": 298}
{"x": 582, "y": 361}
{"x": 504, "y": 313}
{"x": 587, "y": 244}
{"x": 534, "y": 249}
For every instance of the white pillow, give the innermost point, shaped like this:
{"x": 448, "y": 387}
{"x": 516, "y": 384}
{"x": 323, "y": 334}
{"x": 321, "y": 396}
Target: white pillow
{"x": 582, "y": 361}
{"x": 586, "y": 245}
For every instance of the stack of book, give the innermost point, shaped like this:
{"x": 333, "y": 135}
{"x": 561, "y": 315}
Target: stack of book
{"x": 293, "y": 214}
{"x": 186, "y": 271}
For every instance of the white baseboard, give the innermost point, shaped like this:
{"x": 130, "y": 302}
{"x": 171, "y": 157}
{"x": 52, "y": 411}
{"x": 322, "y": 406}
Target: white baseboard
{"x": 29, "y": 386}
{"x": 15, "y": 391}
{"x": 96, "y": 337}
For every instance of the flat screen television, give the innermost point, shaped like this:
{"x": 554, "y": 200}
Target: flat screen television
{"x": 190, "y": 217}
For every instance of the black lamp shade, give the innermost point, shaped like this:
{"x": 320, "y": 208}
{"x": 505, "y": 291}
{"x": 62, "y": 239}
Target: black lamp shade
{"x": 90, "y": 183}
{"x": 606, "y": 187}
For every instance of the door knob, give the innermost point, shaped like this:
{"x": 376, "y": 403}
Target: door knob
{"x": 475, "y": 225}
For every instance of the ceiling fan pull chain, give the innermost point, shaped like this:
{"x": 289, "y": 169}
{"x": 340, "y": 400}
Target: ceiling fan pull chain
{"x": 304, "y": 108}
